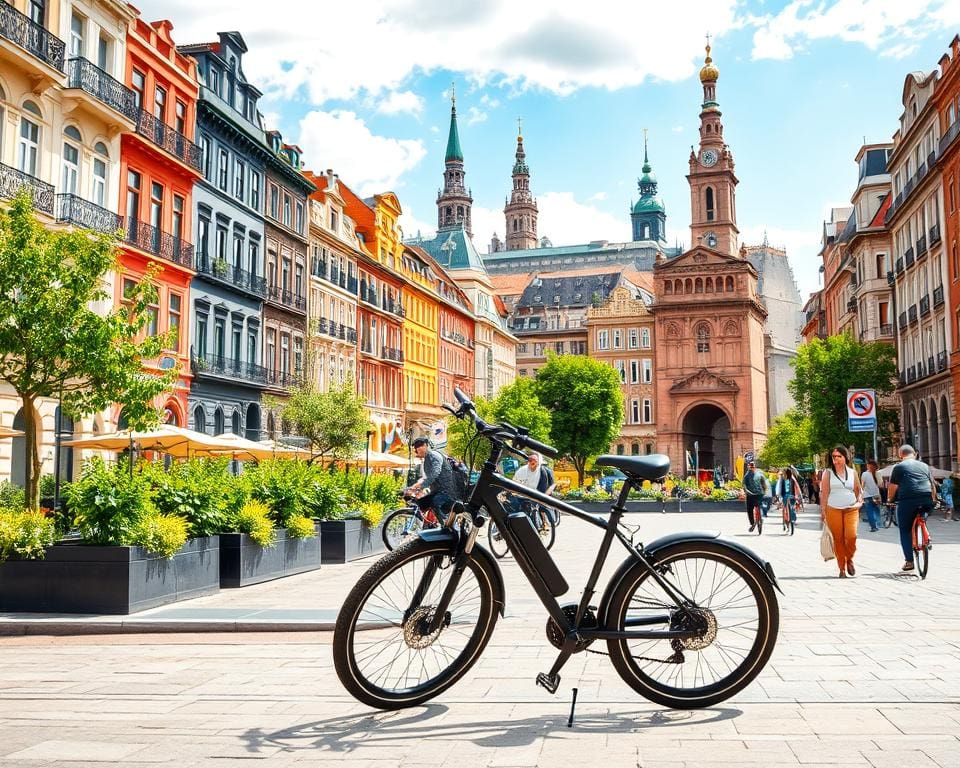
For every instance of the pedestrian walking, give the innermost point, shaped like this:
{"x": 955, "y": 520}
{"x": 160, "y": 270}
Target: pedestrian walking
{"x": 946, "y": 497}
{"x": 787, "y": 491}
{"x": 912, "y": 487}
{"x": 755, "y": 487}
{"x": 871, "y": 494}
{"x": 841, "y": 497}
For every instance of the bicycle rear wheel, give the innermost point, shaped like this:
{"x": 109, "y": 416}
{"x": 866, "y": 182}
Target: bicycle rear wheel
{"x": 400, "y": 525}
{"x": 735, "y": 608}
{"x": 758, "y": 519}
{"x": 921, "y": 547}
{"x": 383, "y": 651}
{"x": 545, "y": 526}
{"x": 498, "y": 545}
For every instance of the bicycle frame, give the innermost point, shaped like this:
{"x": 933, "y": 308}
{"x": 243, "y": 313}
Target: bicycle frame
{"x": 486, "y": 493}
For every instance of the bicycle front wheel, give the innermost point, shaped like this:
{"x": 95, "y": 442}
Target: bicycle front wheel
{"x": 733, "y": 604}
{"x": 399, "y": 526}
{"x": 921, "y": 548}
{"x": 383, "y": 651}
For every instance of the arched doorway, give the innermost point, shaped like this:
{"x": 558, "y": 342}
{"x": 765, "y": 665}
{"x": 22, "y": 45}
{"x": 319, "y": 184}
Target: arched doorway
{"x": 933, "y": 435}
{"x": 709, "y": 427}
{"x": 253, "y": 422}
{"x": 946, "y": 433}
{"x": 923, "y": 439}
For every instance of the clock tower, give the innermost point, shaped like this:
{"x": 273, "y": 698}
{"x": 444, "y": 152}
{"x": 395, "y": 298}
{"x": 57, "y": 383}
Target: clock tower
{"x": 713, "y": 184}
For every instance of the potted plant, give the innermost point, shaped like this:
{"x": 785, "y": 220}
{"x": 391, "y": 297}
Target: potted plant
{"x": 129, "y": 556}
{"x": 352, "y": 531}
{"x": 220, "y": 267}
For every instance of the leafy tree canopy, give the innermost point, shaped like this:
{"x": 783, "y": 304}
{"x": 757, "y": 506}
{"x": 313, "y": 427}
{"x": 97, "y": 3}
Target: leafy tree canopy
{"x": 825, "y": 370}
{"x": 586, "y": 406}
{"x": 334, "y": 422}
{"x": 788, "y": 441}
{"x": 53, "y": 339}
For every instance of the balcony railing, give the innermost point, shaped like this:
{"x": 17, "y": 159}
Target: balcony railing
{"x": 318, "y": 268}
{"x": 912, "y": 313}
{"x": 947, "y": 139}
{"x": 941, "y": 361}
{"x": 11, "y": 180}
{"x": 934, "y": 234}
{"x": 287, "y": 297}
{"x": 152, "y": 240}
{"x": 930, "y": 362}
{"x": 886, "y": 329}
{"x": 902, "y": 320}
{"x": 900, "y": 265}
{"x": 72, "y": 209}
{"x": 174, "y": 142}
{"x": 88, "y": 77}
{"x": 352, "y": 285}
{"x": 902, "y": 378}
{"x": 924, "y": 305}
{"x": 232, "y": 275}
{"x": 908, "y": 257}
{"x": 921, "y": 246}
{"x": 32, "y": 37}
{"x": 205, "y": 363}
{"x": 852, "y": 305}
{"x": 285, "y": 379}
{"x": 938, "y": 296}
{"x": 321, "y": 325}
{"x": 891, "y": 278}
{"x": 920, "y": 371}
{"x": 393, "y": 354}
{"x": 394, "y": 307}
{"x": 911, "y": 374}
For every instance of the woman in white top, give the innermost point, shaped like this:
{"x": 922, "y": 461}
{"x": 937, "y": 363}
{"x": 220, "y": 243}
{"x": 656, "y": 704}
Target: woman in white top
{"x": 871, "y": 494}
{"x": 841, "y": 497}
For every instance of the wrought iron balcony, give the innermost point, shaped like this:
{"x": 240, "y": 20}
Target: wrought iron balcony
{"x": 900, "y": 265}
{"x": 32, "y": 37}
{"x": 924, "y": 305}
{"x": 886, "y": 329}
{"x": 911, "y": 374}
{"x": 287, "y": 297}
{"x": 74, "y": 210}
{"x": 941, "y": 361}
{"x": 921, "y": 246}
{"x": 352, "y": 285}
{"x": 908, "y": 257}
{"x": 912, "y": 313}
{"x": 208, "y": 364}
{"x": 902, "y": 378}
{"x": 930, "y": 363}
{"x": 148, "y": 238}
{"x": 173, "y": 142}
{"x": 852, "y": 305}
{"x": 890, "y": 278}
{"x": 392, "y": 354}
{"x": 947, "y": 139}
{"x": 284, "y": 379}
{"x": 11, "y": 180}
{"x": 394, "y": 307}
{"x": 938, "y": 296}
{"x": 902, "y": 320}
{"x": 89, "y": 78}
{"x": 934, "y": 234}
{"x": 920, "y": 371}
{"x": 231, "y": 275}
{"x": 318, "y": 268}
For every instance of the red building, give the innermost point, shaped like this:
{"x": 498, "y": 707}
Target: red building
{"x": 159, "y": 163}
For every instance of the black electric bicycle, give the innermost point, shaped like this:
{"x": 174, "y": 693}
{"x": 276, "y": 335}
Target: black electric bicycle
{"x": 688, "y": 620}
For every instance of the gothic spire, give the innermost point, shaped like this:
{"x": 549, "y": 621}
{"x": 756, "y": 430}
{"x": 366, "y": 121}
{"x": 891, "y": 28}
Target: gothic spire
{"x": 453, "y": 141}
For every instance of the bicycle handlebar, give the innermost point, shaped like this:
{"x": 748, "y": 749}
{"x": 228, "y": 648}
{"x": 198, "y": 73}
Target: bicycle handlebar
{"x": 500, "y": 432}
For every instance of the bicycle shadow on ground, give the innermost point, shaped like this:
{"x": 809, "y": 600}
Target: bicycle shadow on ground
{"x": 347, "y": 733}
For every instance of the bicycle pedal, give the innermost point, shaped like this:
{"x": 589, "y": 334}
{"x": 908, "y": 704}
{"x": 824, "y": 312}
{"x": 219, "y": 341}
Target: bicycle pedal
{"x": 548, "y": 681}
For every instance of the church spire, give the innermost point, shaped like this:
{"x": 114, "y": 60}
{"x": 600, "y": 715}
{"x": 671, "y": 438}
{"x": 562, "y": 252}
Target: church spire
{"x": 455, "y": 201}
{"x": 648, "y": 215}
{"x": 521, "y": 212}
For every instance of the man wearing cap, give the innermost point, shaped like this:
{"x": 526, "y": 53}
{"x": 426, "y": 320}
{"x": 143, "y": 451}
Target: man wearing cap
{"x": 437, "y": 476}
{"x": 911, "y": 486}
{"x": 755, "y": 486}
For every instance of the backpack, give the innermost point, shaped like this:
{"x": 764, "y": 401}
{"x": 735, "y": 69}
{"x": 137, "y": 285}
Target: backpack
{"x": 460, "y": 475}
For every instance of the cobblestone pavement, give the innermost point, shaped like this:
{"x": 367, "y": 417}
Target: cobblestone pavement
{"x": 866, "y": 673}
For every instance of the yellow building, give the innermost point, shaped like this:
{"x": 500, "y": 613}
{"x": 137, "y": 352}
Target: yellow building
{"x": 420, "y": 343}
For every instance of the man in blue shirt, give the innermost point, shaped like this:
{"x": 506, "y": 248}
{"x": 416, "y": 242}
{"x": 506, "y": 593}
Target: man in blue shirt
{"x": 437, "y": 476}
{"x": 755, "y": 486}
{"x": 911, "y": 486}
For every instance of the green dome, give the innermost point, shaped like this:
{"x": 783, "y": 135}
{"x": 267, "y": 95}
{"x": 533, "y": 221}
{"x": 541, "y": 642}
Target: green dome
{"x": 649, "y": 204}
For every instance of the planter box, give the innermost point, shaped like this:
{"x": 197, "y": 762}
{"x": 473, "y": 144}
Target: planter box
{"x": 350, "y": 539}
{"x": 243, "y": 561}
{"x": 81, "y": 578}
{"x": 670, "y": 505}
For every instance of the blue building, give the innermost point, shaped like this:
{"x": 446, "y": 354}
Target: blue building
{"x": 228, "y": 291}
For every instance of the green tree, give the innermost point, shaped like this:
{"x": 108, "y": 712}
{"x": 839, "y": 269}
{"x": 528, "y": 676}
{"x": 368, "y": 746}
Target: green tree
{"x": 52, "y": 341}
{"x": 333, "y": 422}
{"x": 788, "y": 441}
{"x": 825, "y": 370}
{"x": 461, "y": 435}
{"x": 586, "y": 405}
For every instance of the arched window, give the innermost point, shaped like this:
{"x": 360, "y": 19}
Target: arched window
{"x": 729, "y": 285}
{"x": 619, "y": 449}
{"x": 709, "y": 285}
{"x": 678, "y": 286}
{"x": 709, "y": 202}
{"x": 635, "y": 449}
{"x": 69, "y": 181}
{"x": 688, "y": 286}
{"x": 199, "y": 419}
{"x": 703, "y": 337}
{"x": 719, "y": 285}
{"x": 698, "y": 285}
{"x": 28, "y": 142}
{"x": 100, "y": 173}
{"x": 218, "y": 421}
{"x": 235, "y": 423}
{"x": 668, "y": 286}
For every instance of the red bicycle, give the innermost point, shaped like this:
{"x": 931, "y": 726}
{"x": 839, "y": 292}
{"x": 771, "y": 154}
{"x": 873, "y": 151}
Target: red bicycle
{"x": 922, "y": 542}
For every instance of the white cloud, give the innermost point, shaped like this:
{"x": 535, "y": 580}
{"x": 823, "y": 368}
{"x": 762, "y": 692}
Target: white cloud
{"x": 400, "y": 102}
{"x": 677, "y": 129}
{"x": 475, "y": 116}
{"x": 567, "y": 222}
{"x": 890, "y": 26}
{"x": 598, "y": 196}
{"x": 490, "y": 102}
{"x": 368, "y": 162}
{"x": 411, "y": 224}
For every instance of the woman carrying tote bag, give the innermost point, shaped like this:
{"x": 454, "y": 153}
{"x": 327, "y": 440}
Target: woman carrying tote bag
{"x": 841, "y": 497}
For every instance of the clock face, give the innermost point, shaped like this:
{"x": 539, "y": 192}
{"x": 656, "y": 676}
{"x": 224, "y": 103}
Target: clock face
{"x": 710, "y": 239}
{"x": 709, "y": 157}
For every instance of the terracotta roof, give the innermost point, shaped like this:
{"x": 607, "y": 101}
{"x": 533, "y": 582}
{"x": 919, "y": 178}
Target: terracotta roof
{"x": 510, "y": 285}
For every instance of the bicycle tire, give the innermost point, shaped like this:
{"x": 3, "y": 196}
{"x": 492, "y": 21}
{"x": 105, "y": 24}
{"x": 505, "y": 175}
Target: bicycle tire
{"x": 496, "y": 542}
{"x": 887, "y": 518}
{"x": 399, "y": 525}
{"x": 748, "y": 577}
{"x": 547, "y": 530}
{"x": 758, "y": 518}
{"x": 384, "y": 621}
{"x": 921, "y": 548}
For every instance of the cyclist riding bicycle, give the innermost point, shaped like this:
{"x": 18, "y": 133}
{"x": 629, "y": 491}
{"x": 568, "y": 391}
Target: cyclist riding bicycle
{"x": 912, "y": 481}
{"x": 534, "y": 474}
{"x": 437, "y": 476}
{"x": 755, "y": 486}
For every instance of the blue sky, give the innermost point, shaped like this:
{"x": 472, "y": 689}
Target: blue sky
{"x": 364, "y": 89}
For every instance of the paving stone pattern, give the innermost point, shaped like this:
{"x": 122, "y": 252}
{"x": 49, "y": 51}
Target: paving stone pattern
{"x": 866, "y": 673}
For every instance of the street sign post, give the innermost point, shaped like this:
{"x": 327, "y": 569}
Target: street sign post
{"x": 862, "y": 413}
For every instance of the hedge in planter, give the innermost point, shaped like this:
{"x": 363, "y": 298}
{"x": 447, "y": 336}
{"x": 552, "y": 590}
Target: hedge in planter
{"x": 353, "y": 537}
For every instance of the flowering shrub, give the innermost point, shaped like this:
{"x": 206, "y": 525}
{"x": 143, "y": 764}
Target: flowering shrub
{"x": 300, "y": 527}
{"x": 25, "y": 534}
{"x": 160, "y": 534}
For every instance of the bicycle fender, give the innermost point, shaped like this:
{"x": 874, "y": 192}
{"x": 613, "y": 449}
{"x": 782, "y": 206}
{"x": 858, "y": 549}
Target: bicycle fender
{"x": 446, "y": 536}
{"x": 651, "y": 550}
